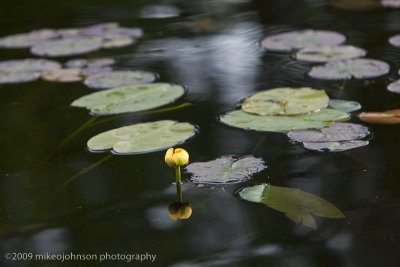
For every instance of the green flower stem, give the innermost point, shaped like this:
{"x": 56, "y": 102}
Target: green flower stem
{"x": 178, "y": 183}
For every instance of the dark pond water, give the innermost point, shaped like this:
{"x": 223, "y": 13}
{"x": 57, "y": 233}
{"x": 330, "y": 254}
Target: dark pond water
{"x": 211, "y": 48}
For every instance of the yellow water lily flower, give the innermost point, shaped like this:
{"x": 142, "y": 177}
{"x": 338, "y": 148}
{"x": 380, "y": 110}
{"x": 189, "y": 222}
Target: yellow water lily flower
{"x": 180, "y": 211}
{"x": 176, "y": 157}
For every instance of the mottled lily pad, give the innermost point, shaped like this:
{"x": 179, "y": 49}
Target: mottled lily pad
{"x": 26, "y": 40}
{"x": 130, "y": 98}
{"x": 359, "y": 68}
{"x": 67, "y": 47}
{"x": 288, "y": 41}
{"x": 298, "y": 206}
{"x": 63, "y": 75}
{"x": 333, "y": 133}
{"x": 329, "y": 53}
{"x": 142, "y": 137}
{"x": 395, "y": 40}
{"x": 386, "y": 117}
{"x": 119, "y": 78}
{"x": 224, "y": 170}
{"x": 335, "y": 146}
{"x": 286, "y": 101}
{"x": 241, "y": 119}
{"x": 344, "y": 105}
{"x": 394, "y": 87}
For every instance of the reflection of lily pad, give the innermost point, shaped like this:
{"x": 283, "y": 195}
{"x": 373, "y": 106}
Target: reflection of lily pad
{"x": 130, "y": 98}
{"x": 67, "y": 47}
{"x": 344, "y": 105}
{"x": 335, "y": 146}
{"x": 24, "y": 70}
{"x": 225, "y": 170}
{"x": 286, "y": 101}
{"x": 62, "y": 75}
{"x": 394, "y": 87}
{"x": 333, "y": 133}
{"x": 142, "y": 137}
{"x": 395, "y": 40}
{"x": 386, "y": 117}
{"x": 298, "y": 206}
{"x": 241, "y": 119}
{"x": 288, "y": 41}
{"x": 329, "y": 53}
{"x": 360, "y": 68}
{"x": 119, "y": 78}
{"x": 26, "y": 40}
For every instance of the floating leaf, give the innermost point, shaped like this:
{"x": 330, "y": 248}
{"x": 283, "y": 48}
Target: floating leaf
{"x": 394, "y": 87}
{"x": 335, "y": 146}
{"x": 62, "y": 75}
{"x": 359, "y": 68}
{"x": 142, "y": 137}
{"x": 130, "y": 98}
{"x": 286, "y": 101}
{"x": 224, "y": 170}
{"x": 390, "y": 3}
{"x": 67, "y": 47}
{"x": 241, "y": 119}
{"x": 344, "y": 105}
{"x": 288, "y": 41}
{"x": 395, "y": 40}
{"x": 26, "y": 40}
{"x": 298, "y": 206}
{"x": 117, "y": 42}
{"x": 103, "y": 30}
{"x": 119, "y": 78}
{"x": 332, "y": 133}
{"x": 386, "y": 117}
{"x": 329, "y": 53}
{"x": 24, "y": 70}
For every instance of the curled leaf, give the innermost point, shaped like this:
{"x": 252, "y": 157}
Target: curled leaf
{"x": 386, "y": 117}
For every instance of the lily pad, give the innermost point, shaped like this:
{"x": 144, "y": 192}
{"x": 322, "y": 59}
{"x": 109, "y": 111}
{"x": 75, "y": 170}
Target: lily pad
{"x": 335, "y": 146}
{"x": 344, "y": 105}
{"x": 224, "y": 170}
{"x": 359, "y": 68}
{"x": 26, "y": 40}
{"x": 119, "y": 78}
{"x": 117, "y": 42}
{"x": 288, "y": 41}
{"x": 394, "y": 87}
{"x": 103, "y": 30}
{"x": 63, "y": 75}
{"x": 395, "y": 40}
{"x": 286, "y": 101}
{"x": 130, "y": 98}
{"x": 391, "y": 3}
{"x": 241, "y": 119}
{"x": 142, "y": 137}
{"x": 298, "y": 206}
{"x": 386, "y": 117}
{"x": 67, "y": 47}
{"x": 329, "y": 53}
{"x": 333, "y": 133}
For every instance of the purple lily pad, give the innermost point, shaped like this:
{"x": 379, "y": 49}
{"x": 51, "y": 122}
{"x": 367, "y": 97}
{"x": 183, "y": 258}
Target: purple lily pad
{"x": 92, "y": 70}
{"x": 359, "y": 68}
{"x": 329, "y": 53}
{"x": 335, "y": 146}
{"x": 101, "y": 30}
{"x": 117, "y": 42}
{"x": 334, "y": 133}
{"x": 288, "y": 41}
{"x": 395, "y": 40}
{"x": 26, "y": 40}
{"x": 394, "y": 87}
{"x": 119, "y": 78}
{"x": 391, "y": 3}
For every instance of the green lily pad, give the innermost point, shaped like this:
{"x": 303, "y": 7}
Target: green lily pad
{"x": 359, "y": 68}
{"x": 395, "y": 40}
{"x": 286, "y": 101}
{"x": 243, "y": 120}
{"x": 225, "y": 170}
{"x": 67, "y": 47}
{"x": 329, "y": 53}
{"x": 130, "y": 98}
{"x": 335, "y": 146}
{"x": 288, "y": 41}
{"x": 119, "y": 78}
{"x": 394, "y": 87}
{"x": 344, "y": 105}
{"x": 26, "y": 40}
{"x": 298, "y": 206}
{"x": 142, "y": 137}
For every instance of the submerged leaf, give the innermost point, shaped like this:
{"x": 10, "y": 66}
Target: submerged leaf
{"x": 329, "y": 53}
{"x": 386, "y": 117}
{"x": 394, "y": 87}
{"x": 130, "y": 98}
{"x": 119, "y": 78}
{"x": 227, "y": 169}
{"x": 142, "y": 137}
{"x": 241, "y": 119}
{"x": 67, "y": 47}
{"x": 288, "y": 41}
{"x": 344, "y": 105}
{"x": 335, "y": 146}
{"x": 359, "y": 68}
{"x": 286, "y": 101}
{"x": 298, "y": 206}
